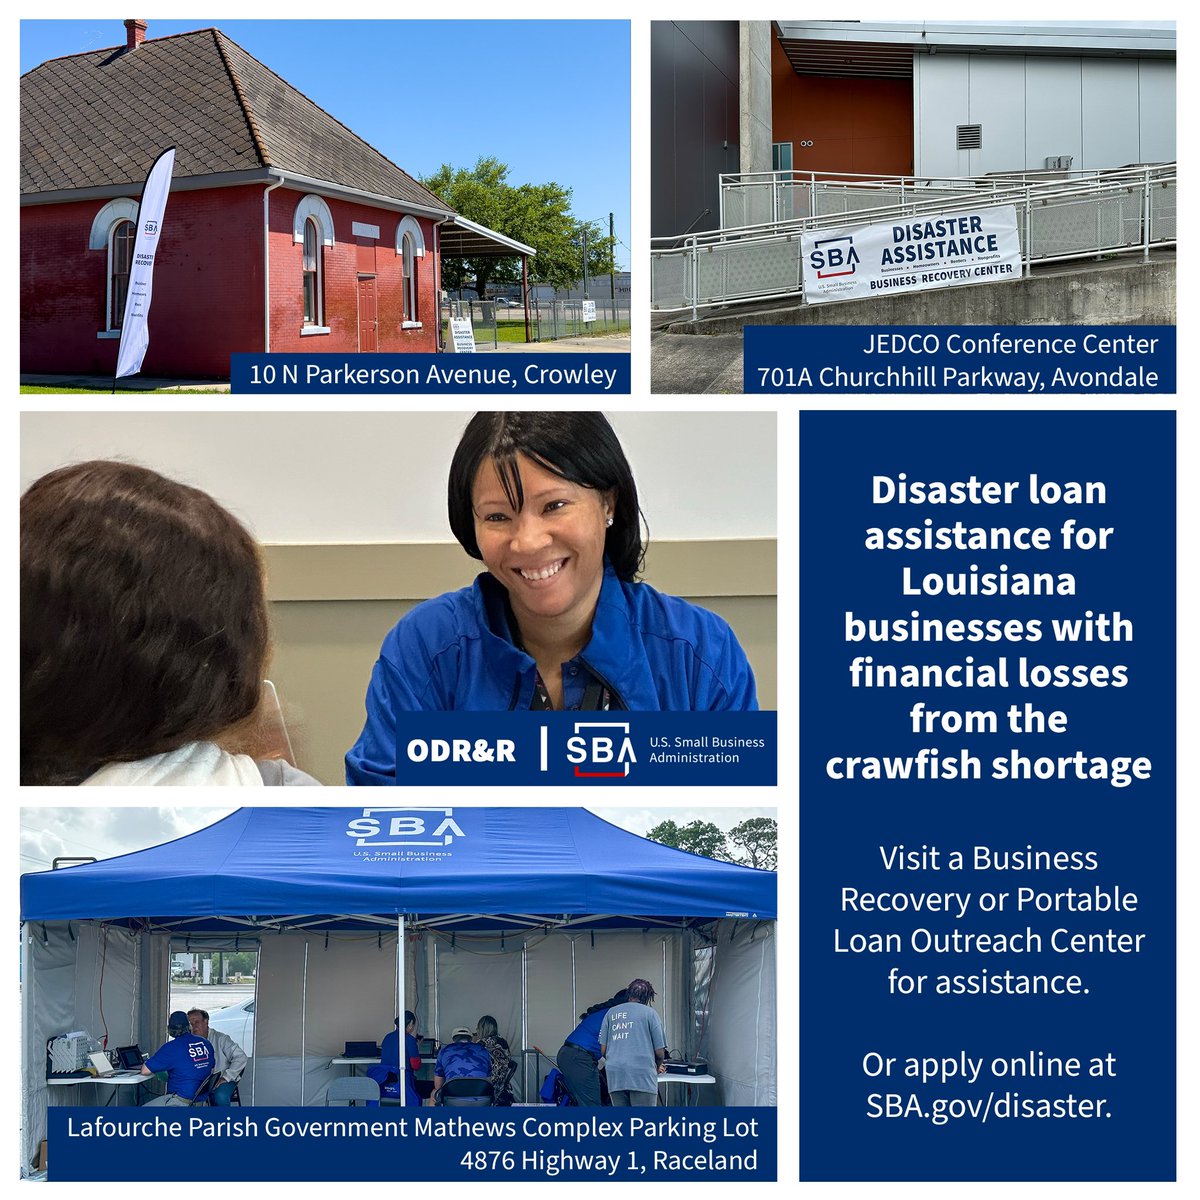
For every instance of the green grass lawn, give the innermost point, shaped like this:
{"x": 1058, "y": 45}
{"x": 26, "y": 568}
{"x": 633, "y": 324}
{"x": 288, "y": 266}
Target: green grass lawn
{"x": 515, "y": 332}
{"x": 27, "y": 390}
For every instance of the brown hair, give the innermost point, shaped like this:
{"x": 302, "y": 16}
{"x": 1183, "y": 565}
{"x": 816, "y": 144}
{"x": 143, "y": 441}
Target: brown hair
{"x": 144, "y": 620}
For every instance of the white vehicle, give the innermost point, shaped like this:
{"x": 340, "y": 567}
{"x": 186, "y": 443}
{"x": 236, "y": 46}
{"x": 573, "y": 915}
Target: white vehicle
{"x": 238, "y": 1021}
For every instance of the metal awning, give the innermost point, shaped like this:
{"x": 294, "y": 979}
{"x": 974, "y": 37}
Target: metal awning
{"x": 885, "y": 48}
{"x": 460, "y": 238}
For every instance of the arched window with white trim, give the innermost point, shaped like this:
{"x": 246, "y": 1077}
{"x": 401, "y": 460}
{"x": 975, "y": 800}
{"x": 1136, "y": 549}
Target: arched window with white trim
{"x": 312, "y": 231}
{"x": 313, "y": 291}
{"x": 120, "y": 260}
{"x": 410, "y": 281}
{"x": 114, "y": 230}
{"x": 410, "y": 245}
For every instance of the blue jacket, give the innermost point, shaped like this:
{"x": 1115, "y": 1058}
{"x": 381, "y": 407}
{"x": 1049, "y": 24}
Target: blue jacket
{"x": 586, "y": 1034}
{"x": 655, "y": 653}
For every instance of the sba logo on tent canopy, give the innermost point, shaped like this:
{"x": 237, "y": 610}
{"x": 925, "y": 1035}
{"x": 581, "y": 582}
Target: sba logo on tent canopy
{"x": 404, "y": 827}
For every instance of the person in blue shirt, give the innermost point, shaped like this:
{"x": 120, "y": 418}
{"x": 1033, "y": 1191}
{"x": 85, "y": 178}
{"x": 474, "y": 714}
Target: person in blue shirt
{"x": 187, "y": 1059}
{"x": 387, "y": 1073}
{"x": 579, "y": 1058}
{"x": 547, "y": 501}
{"x": 460, "y": 1058}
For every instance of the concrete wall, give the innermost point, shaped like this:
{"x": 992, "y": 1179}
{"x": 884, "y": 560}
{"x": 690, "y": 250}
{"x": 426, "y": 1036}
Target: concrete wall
{"x": 1119, "y": 293}
{"x": 755, "y": 42}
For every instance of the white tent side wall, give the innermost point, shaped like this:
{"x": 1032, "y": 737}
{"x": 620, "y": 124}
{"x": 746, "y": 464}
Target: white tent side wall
{"x": 315, "y": 995}
{"x": 312, "y": 997}
{"x": 83, "y": 975}
{"x": 740, "y": 1032}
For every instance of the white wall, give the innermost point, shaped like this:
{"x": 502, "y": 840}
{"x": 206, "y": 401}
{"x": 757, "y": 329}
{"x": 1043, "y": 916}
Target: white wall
{"x": 365, "y": 477}
{"x": 1104, "y": 112}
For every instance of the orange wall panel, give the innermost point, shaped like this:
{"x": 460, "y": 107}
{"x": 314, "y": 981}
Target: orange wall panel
{"x": 861, "y": 126}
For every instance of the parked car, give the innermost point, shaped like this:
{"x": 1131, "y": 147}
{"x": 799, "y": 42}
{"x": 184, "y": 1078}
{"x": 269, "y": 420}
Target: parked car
{"x": 505, "y": 302}
{"x": 238, "y": 1021}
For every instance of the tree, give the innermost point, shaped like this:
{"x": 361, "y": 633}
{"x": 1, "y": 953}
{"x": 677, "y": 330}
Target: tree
{"x": 756, "y": 839}
{"x": 697, "y": 837}
{"x": 538, "y": 214}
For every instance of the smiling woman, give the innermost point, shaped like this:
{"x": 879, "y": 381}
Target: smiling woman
{"x": 548, "y": 503}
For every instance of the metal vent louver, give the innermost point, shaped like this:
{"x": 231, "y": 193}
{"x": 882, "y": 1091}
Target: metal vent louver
{"x": 970, "y": 137}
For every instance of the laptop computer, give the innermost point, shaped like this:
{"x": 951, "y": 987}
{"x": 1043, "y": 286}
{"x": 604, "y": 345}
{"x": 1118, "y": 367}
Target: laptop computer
{"x": 100, "y": 1064}
{"x": 130, "y": 1057}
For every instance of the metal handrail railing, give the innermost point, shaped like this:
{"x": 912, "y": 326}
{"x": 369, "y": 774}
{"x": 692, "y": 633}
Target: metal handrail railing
{"x": 729, "y": 182}
{"x": 679, "y": 257}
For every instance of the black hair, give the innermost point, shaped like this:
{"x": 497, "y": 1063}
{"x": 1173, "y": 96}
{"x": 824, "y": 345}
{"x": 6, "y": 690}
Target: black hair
{"x": 641, "y": 991}
{"x": 409, "y": 1017}
{"x": 579, "y": 447}
{"x": 604, "y": 1005}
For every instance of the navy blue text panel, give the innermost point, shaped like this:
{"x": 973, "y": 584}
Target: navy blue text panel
{"x": 987, "y": 796}
{"x": 697, "y": 1145}
{"x": 405, "y": 374}
{"x": 717, "y": 749}
{"x": 1022, "y": 360}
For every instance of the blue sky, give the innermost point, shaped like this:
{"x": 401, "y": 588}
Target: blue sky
{"x": 550, "y": 98}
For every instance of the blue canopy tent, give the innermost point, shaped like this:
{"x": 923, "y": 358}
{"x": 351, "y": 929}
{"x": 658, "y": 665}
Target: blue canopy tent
{"x": 528, "y": 913}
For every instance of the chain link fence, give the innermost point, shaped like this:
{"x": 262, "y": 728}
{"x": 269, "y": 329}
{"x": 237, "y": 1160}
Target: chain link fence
{"x": 494, "y": 322}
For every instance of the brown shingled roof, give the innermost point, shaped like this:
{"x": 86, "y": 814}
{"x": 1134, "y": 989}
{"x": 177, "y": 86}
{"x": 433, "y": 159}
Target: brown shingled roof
{"x": 101, "y": 118}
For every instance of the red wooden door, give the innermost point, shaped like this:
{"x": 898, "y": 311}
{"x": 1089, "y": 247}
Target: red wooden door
{"x": 368, "y": 316}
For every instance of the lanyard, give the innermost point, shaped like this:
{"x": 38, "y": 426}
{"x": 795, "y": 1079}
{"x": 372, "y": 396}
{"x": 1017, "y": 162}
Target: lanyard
{"x": 596, "y": 697}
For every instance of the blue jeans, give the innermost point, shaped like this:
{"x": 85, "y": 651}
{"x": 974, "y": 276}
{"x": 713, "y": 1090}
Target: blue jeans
{"x": 222, "y": 1095}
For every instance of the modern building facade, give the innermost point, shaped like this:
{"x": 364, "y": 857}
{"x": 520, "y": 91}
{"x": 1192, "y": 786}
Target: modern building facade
{"x": 970, "y": 99}
{"x": 899, "y": 98}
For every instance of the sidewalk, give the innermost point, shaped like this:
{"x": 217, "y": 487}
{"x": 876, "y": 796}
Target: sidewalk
{"x": 617, "y": 343}
{"x": 139, "y": 383}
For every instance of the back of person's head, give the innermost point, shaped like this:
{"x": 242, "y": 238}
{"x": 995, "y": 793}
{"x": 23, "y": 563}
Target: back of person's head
{"x": 461, "y": 1034}
{"x": 605, "y": 1005}
{"x": 410, "y": 1018}
{"x": 641, "y": 991}
{"x": 580, "y": 447}
{"x": 144, "y": 622}
{"x": 486, "y": 1028}
{"x": 178, "y": 1024}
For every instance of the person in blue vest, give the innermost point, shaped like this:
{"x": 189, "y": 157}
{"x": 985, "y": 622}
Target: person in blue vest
{"x": 387, "y": 1073}
{"x": 579, "y": 1058}
{"x": 547, "y": 502}
{"x": 460, "y": 1058}
{"x": 187, "y": 1058}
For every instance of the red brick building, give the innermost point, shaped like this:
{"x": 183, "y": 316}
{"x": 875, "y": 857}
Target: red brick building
{"x": 284, "y": 231}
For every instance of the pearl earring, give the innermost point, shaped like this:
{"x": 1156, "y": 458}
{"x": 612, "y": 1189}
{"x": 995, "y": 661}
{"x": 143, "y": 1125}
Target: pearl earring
{"x": 608, "y": 523}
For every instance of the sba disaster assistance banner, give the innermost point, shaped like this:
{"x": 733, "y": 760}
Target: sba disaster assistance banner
{"x": 135, "y": 331}
{"x": 912, "y": 255}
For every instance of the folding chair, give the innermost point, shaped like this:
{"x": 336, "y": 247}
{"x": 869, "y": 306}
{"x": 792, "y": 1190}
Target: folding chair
{"x": 207, "y": 1084}
{"x": 349, "y": 1090}
{"x": 467, "y": 1092}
